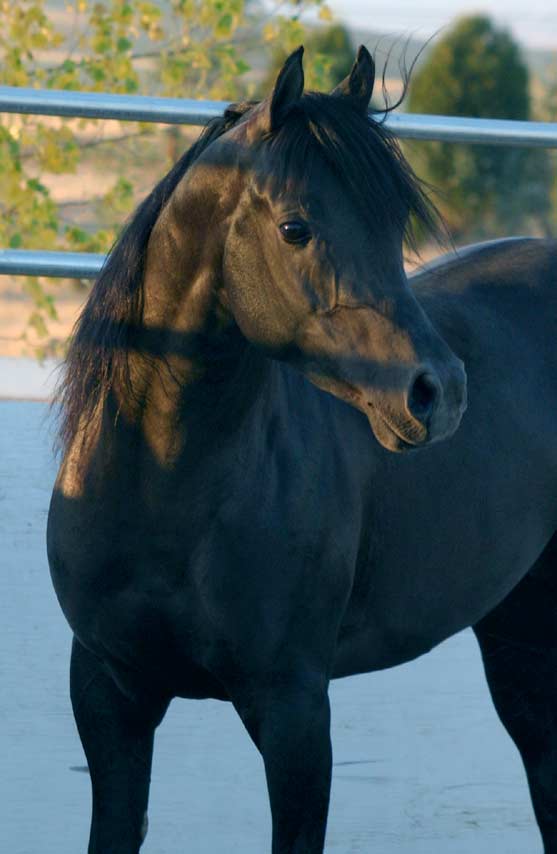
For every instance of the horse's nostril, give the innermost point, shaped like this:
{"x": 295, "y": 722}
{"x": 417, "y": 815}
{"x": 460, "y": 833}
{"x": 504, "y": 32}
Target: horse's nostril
{"x": 422, "y": 396}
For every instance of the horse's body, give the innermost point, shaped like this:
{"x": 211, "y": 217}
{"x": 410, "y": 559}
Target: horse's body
{"x": 402, "y": 551}
{"x": 247, "y": 538}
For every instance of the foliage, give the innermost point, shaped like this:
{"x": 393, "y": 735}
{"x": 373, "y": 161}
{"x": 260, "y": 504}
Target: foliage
{"x": 190, "y": 48}
{"x": 548, "y": 113}
{"x": 476, "y": 70}
{"x": 549, "y": 101}
{"x": 332, "y": 54}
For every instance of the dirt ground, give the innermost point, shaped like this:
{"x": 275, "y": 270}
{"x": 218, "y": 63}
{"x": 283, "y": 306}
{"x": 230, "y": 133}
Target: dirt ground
{"x": 16, "y": 339}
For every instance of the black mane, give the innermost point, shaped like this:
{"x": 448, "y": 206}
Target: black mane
{"x": 363, "y": 152}
{"x": 367, "y": 158}
{"x": 98, "y": 351}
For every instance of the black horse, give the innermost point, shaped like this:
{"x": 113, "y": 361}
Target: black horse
{"x": 229, "y": 519}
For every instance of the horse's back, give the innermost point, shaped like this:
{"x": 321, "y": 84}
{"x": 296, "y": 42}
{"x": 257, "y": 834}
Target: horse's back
{"x": 501, "y": 260}
{"x": 501, "y": 275}
{"x": 496, "y": 305}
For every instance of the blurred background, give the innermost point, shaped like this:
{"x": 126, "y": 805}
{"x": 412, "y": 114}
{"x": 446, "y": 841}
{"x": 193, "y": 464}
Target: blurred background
{"x": 70, "y": 184}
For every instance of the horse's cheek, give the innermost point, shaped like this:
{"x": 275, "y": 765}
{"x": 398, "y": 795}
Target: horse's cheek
{"x": 254, "y": 297}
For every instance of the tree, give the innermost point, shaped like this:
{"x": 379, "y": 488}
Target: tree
{"x": 548, "y": 113}
{"x": 189, "y": 48}
{"x": 476, "y": 70}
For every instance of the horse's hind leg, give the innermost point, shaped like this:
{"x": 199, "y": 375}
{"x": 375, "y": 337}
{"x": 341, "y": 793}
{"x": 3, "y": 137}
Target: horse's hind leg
{"x": 117, "y": 736}
{"x": 518, "y": 640}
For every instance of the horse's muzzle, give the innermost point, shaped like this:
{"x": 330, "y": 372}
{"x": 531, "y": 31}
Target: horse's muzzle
{"x": 427, "y": 409}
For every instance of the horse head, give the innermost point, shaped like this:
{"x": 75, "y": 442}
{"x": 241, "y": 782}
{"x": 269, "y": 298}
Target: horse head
{"x": 313, "y": 265}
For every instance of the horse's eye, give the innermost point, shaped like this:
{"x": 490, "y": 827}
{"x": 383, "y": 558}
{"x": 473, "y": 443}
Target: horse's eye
{"x": 295, "y": 231}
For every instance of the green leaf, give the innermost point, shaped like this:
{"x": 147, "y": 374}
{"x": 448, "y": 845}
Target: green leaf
{"x": 123, "y": 44}
{"x": 97, "y": 72}
{"x": 224, "y": 25}
{"x": 37, "y": 322}
{"x": 35, "y": 184}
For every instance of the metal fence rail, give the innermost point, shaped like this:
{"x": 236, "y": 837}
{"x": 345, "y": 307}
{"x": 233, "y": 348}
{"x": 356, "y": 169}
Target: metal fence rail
{"x": 94, "y": 105}
{"x": 97, "y": 105}
{"x": 52, "y": 102}
{"x": 65, "y": 265}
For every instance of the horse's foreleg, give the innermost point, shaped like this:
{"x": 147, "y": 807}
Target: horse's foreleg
{"x": 518, "y": 640}
{"x": 289, "y": 721}
{"x": 117, "y": 736}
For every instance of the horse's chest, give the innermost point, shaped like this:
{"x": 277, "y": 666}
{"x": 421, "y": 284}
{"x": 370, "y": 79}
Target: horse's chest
{"x": 169, "y": 588}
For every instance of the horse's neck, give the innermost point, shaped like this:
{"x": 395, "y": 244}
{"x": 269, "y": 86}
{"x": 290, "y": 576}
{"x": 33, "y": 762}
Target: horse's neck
{"x": 192, "y": 369}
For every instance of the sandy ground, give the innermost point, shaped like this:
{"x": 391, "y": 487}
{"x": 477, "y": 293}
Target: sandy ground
{"x": 422, "y": 765}
{"x": 16, "y": 339}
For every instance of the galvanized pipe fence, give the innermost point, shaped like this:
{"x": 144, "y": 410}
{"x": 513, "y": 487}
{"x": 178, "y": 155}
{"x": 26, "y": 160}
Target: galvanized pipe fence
{"x": 137, "y": 108}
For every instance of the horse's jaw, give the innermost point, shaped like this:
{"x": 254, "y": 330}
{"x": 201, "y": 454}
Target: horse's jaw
{"x": 389, "y": 434}
{"x": 413, "y": 394}
{"x": 389, "y": 437}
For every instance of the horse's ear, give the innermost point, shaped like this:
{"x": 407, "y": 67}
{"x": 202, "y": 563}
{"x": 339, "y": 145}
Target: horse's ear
{"x": 359, "y": 84}
{"x": 289, "y": 88}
